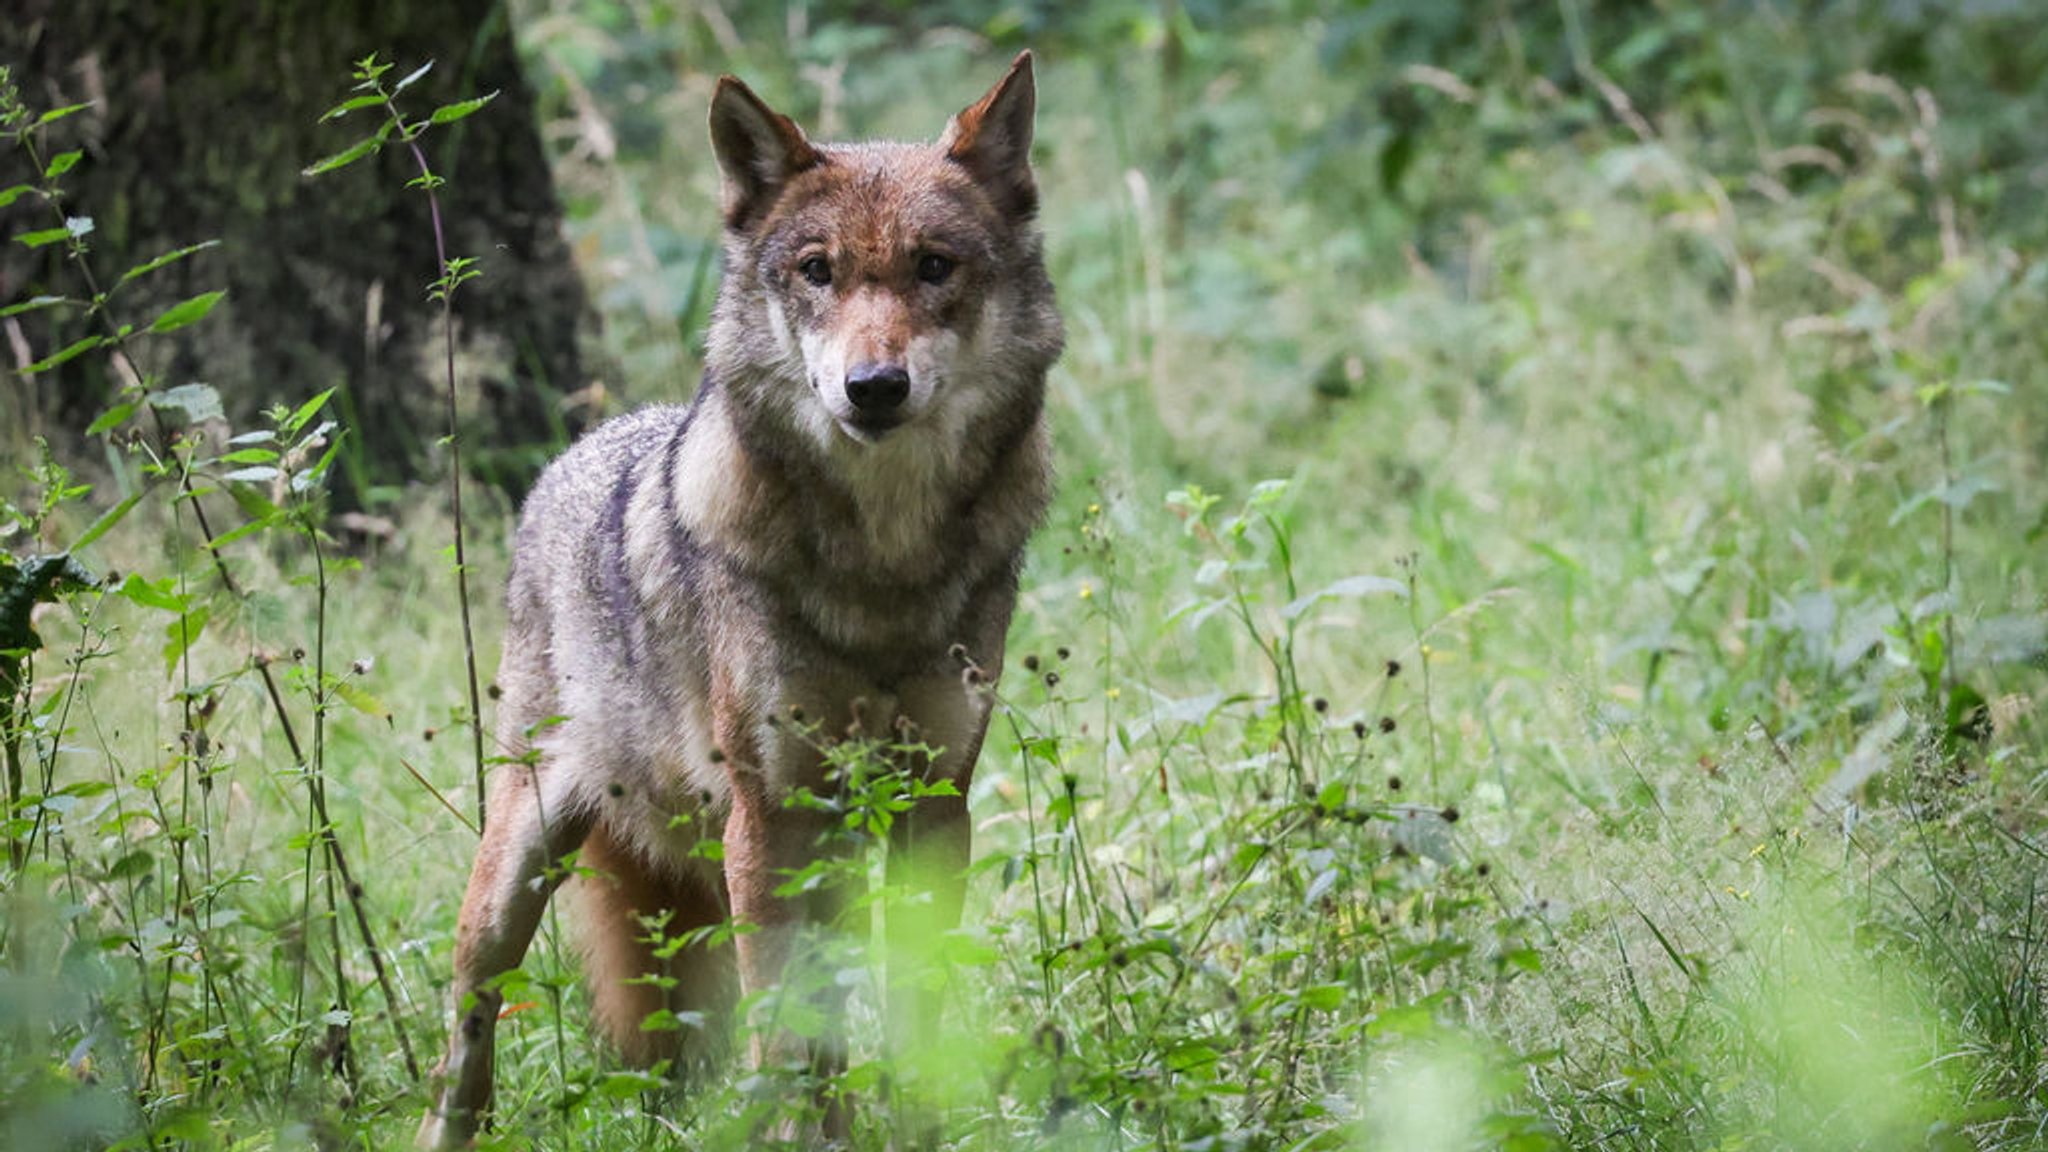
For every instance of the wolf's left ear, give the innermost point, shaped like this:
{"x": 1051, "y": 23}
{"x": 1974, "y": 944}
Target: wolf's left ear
{"x": 991, "y": 138}
{"x": 758, "y": 149}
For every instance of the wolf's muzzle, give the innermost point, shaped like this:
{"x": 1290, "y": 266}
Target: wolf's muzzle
{"x": 877, "y": 392}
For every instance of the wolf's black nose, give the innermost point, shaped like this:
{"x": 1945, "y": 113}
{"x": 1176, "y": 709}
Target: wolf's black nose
{"x": 877, "y": 389}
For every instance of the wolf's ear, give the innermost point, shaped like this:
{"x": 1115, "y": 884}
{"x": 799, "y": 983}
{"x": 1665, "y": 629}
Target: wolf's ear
{"x": 758, "y": 149}
{"x": 991, "y": 138}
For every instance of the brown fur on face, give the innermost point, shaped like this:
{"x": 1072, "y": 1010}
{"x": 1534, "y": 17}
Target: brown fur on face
{"x": 840, "y": 513}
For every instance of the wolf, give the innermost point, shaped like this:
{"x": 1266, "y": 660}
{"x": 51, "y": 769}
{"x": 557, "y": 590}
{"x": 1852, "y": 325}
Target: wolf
{"x": 831, "y": 532}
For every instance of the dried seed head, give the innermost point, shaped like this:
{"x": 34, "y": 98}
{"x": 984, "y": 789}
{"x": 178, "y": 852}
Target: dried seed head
{"x": 796, "y": 713}
{"x": 1393, "y": 669}
{"x": 615, "y": 789}
{"x": 1450, "y": 813}
{"x": 1052, "y": 679}
{"x": 1387, "y": 724}
{"x": 429, "y": 734}
{"x": 1031, "y": 662}
{"x": 1063, "y": 652}
{"x": 1319, "y": 704}
{"x": 717, "y": 755}
{"x": 1393, "y": 783}
{"x": 958, "y": 652}
{"x": 1358, "y": 729}
{"x": 494, "y": 692}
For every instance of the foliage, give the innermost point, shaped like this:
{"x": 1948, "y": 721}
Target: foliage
{"x": 1618, "y": 728}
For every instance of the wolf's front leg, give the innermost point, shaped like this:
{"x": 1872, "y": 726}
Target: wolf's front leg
{"x": 929, "y": 849}
{"x": 530, "y": 829}
{"x": 765, "y": 842}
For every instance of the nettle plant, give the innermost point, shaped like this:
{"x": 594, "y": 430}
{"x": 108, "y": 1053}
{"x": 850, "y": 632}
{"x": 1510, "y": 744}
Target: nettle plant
{"x": 168, "y": 993}
{"x": 1326, "y": 917}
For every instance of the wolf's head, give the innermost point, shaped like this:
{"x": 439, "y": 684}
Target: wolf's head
{"x": 884, "y": 293}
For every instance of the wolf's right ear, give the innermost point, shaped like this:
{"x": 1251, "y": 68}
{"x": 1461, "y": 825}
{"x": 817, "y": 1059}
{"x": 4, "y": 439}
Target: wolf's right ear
{"x": 758, "y": 150}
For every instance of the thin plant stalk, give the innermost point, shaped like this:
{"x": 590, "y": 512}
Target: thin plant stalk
{"x": 444, "y": 291}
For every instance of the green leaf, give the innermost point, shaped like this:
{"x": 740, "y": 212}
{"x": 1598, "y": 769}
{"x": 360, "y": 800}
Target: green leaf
{"x": 348, "y": 106}
{"x": 56, "y": 114}
{"x": 1418, "y": 1019}
{"x": 246, "y": 528}
{"x": 450, "y": 113}
{"x": 304, "y": 412}
{"x": 1350, "y": 586}
{"x": 44, "y": 237}
{"x": 312, "y": 477}
{"x": 187, "y": 312}
{"x": 361, "y": 700}
{"x": 62, "y": 162}
{"x": 344, "y": 158}
{"x": 166, "y": 258}
{"x": 249, "y": 456}
{"x": 191, "y": 402}
{"x": 112, "y": 418}
{"x": 106, "y": 522}
{"x": 1323, "y": 997}
{"x": 411, "y": 77}
{"x": 68, "y": 352}
{"x": 1193, "y": 1057}
{"x": 10, "y": 195}
{"x": 38, "y": 303}
{"x": 161, "y": 596}
{"x": 130, "y": 866}
{"x": 181, "y": 634}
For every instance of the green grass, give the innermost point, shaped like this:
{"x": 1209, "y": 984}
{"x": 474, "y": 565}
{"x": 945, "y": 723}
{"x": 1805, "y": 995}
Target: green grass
{"x": 1676, "y": 784}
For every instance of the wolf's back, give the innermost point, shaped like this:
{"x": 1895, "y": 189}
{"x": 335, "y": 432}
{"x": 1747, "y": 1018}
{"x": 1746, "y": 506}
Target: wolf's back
{"x": 571, "y": 599}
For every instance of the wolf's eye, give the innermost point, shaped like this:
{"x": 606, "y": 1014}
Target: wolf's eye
{"x": 816, "y": 269}
{"x": 933, "y": 268}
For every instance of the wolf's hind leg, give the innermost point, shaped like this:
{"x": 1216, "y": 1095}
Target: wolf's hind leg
{"x": 618, "y": 906}
{"x": 536, "y": 817}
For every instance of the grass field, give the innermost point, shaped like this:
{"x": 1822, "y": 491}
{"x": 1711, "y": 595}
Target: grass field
{"x": 1539, "y": 644}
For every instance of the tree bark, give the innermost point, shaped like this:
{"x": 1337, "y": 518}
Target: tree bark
{"x": 204, "y": 115}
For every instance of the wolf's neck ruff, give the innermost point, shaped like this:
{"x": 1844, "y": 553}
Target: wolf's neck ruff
{"x": 877, "y": 547}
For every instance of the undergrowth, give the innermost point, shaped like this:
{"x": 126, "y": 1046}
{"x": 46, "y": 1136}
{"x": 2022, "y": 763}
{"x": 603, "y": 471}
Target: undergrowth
{"x": 1617, "y": 727}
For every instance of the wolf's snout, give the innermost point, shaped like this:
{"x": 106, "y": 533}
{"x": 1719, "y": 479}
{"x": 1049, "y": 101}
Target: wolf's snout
{"x": 877, "y": 390}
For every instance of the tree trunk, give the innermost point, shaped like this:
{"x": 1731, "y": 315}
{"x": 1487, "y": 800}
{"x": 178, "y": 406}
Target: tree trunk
{"x": 204, "y": 115}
